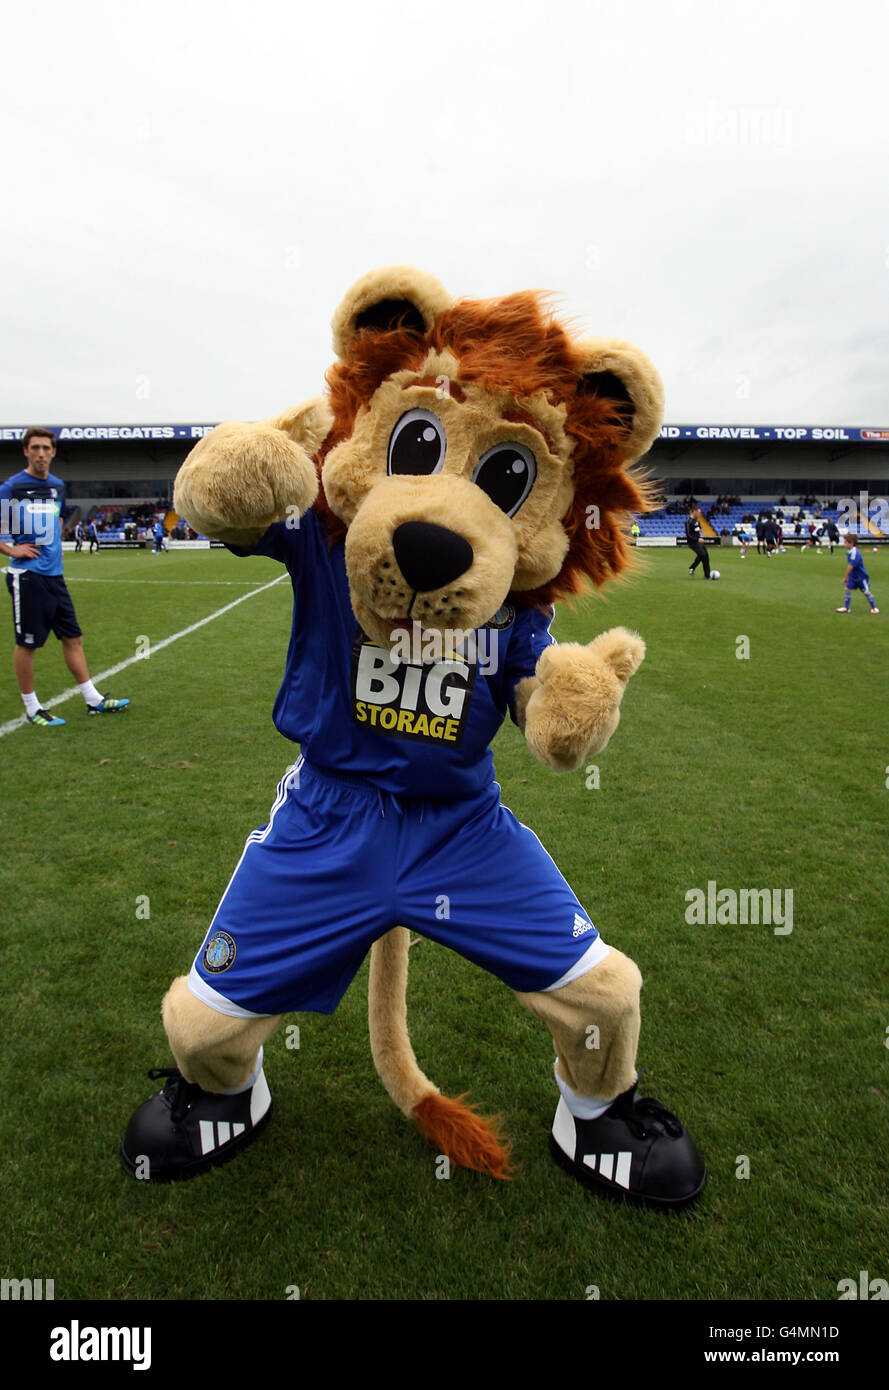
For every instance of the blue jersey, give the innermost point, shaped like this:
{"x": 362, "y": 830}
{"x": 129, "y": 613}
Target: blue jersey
{"x": 414, "y": 727}
{"x": 159, "y": 531}
{"x": 31, "y": 513}
{"x": 858, "y": 573}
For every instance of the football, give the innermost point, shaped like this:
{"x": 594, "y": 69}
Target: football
{"x": 714, "y": 574}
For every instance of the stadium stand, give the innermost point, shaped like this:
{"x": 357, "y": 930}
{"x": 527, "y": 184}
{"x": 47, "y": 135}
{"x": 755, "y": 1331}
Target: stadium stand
{"x": 667, "y": 525}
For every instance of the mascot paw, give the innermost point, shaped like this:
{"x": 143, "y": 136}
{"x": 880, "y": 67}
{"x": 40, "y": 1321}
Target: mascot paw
{"x": 182, "y": 1130}
{"x": 621, "y": 650}
{"x": 637, "y": 1151}
{"x": 575, "y": 707}
{"x": 240, "y": 478}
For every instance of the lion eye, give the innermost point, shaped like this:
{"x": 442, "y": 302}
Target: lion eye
{"x": 417, "y": 444}
{"x": 506, "y": 473}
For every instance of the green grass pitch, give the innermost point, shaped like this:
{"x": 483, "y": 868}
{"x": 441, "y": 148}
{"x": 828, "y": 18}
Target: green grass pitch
{"x": 760, "y": 771}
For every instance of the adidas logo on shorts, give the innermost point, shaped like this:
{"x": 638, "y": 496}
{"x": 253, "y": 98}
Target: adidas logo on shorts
{"x": 581, "y": 925}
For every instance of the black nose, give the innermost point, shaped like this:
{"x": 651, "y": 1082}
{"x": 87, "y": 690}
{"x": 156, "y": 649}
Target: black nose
{"x": 430, "y": 556}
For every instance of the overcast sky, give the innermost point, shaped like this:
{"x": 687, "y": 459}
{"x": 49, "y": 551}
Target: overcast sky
{"x": 190, "y": 188}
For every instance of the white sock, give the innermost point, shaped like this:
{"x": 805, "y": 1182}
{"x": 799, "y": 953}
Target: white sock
{"x": 32, "y": 704}
{"x": 581, "y": 1107}
{"x": 251, "y": 1081}
{"x": 90, "y": 693}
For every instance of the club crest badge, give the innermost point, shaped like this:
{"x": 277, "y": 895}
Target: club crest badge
{"x": 504, "y": 617}
{"x": 219, "y": 952}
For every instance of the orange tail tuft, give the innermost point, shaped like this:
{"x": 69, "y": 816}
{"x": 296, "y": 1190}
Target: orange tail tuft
{"x": 466, "y": 1138}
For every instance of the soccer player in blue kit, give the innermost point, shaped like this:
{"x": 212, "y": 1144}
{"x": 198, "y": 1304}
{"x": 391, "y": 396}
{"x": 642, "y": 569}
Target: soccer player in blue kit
{"x": 856, "y": 575}
{"x": 32, "y": 510}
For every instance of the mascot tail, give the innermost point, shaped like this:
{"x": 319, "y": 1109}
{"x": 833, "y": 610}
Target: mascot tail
{"x": 454, "y": 1128}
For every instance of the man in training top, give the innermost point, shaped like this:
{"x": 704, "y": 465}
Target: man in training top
{"x": 32, "y": 510}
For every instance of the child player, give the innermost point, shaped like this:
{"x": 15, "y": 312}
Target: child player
{"x": 856, "y": 575}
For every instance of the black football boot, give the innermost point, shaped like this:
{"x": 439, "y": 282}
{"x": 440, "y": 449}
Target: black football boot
{"x": 184, "y": 1130}
{"x": 636, "y": 1151}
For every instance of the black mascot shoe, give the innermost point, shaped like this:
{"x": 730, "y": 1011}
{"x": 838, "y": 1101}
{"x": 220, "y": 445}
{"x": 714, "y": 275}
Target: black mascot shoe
{"x": 636, "y": 1151}
{"x": 183, "y": 1130}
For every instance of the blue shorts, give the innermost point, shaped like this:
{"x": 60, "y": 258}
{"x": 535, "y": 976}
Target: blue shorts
{"x": 342, "y": 862}
{"x": 861, "y": 582}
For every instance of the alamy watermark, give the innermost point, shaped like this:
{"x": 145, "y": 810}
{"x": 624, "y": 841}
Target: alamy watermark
{"x": 33, "y": 518}
{"x": 76, "y": 1343}
{"x": 741, "y": 125}
{"x": 426, "y": 646}
{"x": 773, "y": 907}
{"x": 863, "y": 1287}
{"x": 854, "y": 513}
{"x": 26, "y": 1290}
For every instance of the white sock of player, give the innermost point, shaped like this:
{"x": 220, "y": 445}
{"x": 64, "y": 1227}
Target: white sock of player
{"x": 90, "y": 693}
{"x": 32, "y": 704}
{"x": 251, "y": 1080}
{"x": 581, "y": 1107}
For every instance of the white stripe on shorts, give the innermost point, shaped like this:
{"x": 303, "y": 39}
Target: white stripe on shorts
{"x": 595, "y": 952}
{"x": 196, "y": 983}
{"x": 16, "y": 601}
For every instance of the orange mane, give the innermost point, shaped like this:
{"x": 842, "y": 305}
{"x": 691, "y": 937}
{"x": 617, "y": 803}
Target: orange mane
{"x": 514, "y": 344}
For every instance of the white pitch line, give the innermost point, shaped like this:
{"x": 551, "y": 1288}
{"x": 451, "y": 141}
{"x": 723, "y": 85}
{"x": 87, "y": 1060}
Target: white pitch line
{"x": 92, "y": 579}
{"x": 11, "y": 724}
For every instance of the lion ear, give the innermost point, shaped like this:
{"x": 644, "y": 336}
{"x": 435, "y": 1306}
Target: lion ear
{"x": 307, "y": 424}
{"x": 618, "y": 371}
{"x": 384, "y": 301}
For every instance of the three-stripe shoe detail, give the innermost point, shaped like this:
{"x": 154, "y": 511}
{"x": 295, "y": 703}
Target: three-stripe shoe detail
{"x": 45, "y": 720}
{"x": 107, "y": 706}
{"x": 636, "y": 1149}
{"x": 217, "y": 1132}
{"x": 619, "y": 1172}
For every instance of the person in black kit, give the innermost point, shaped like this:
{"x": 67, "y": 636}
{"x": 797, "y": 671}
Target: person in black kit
{"x": 693, "y": 539}
{"x": 833, "y": 534}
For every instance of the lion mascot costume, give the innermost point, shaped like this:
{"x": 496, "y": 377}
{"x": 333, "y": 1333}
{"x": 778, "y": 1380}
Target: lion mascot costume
{"x": 471, "y": 463}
